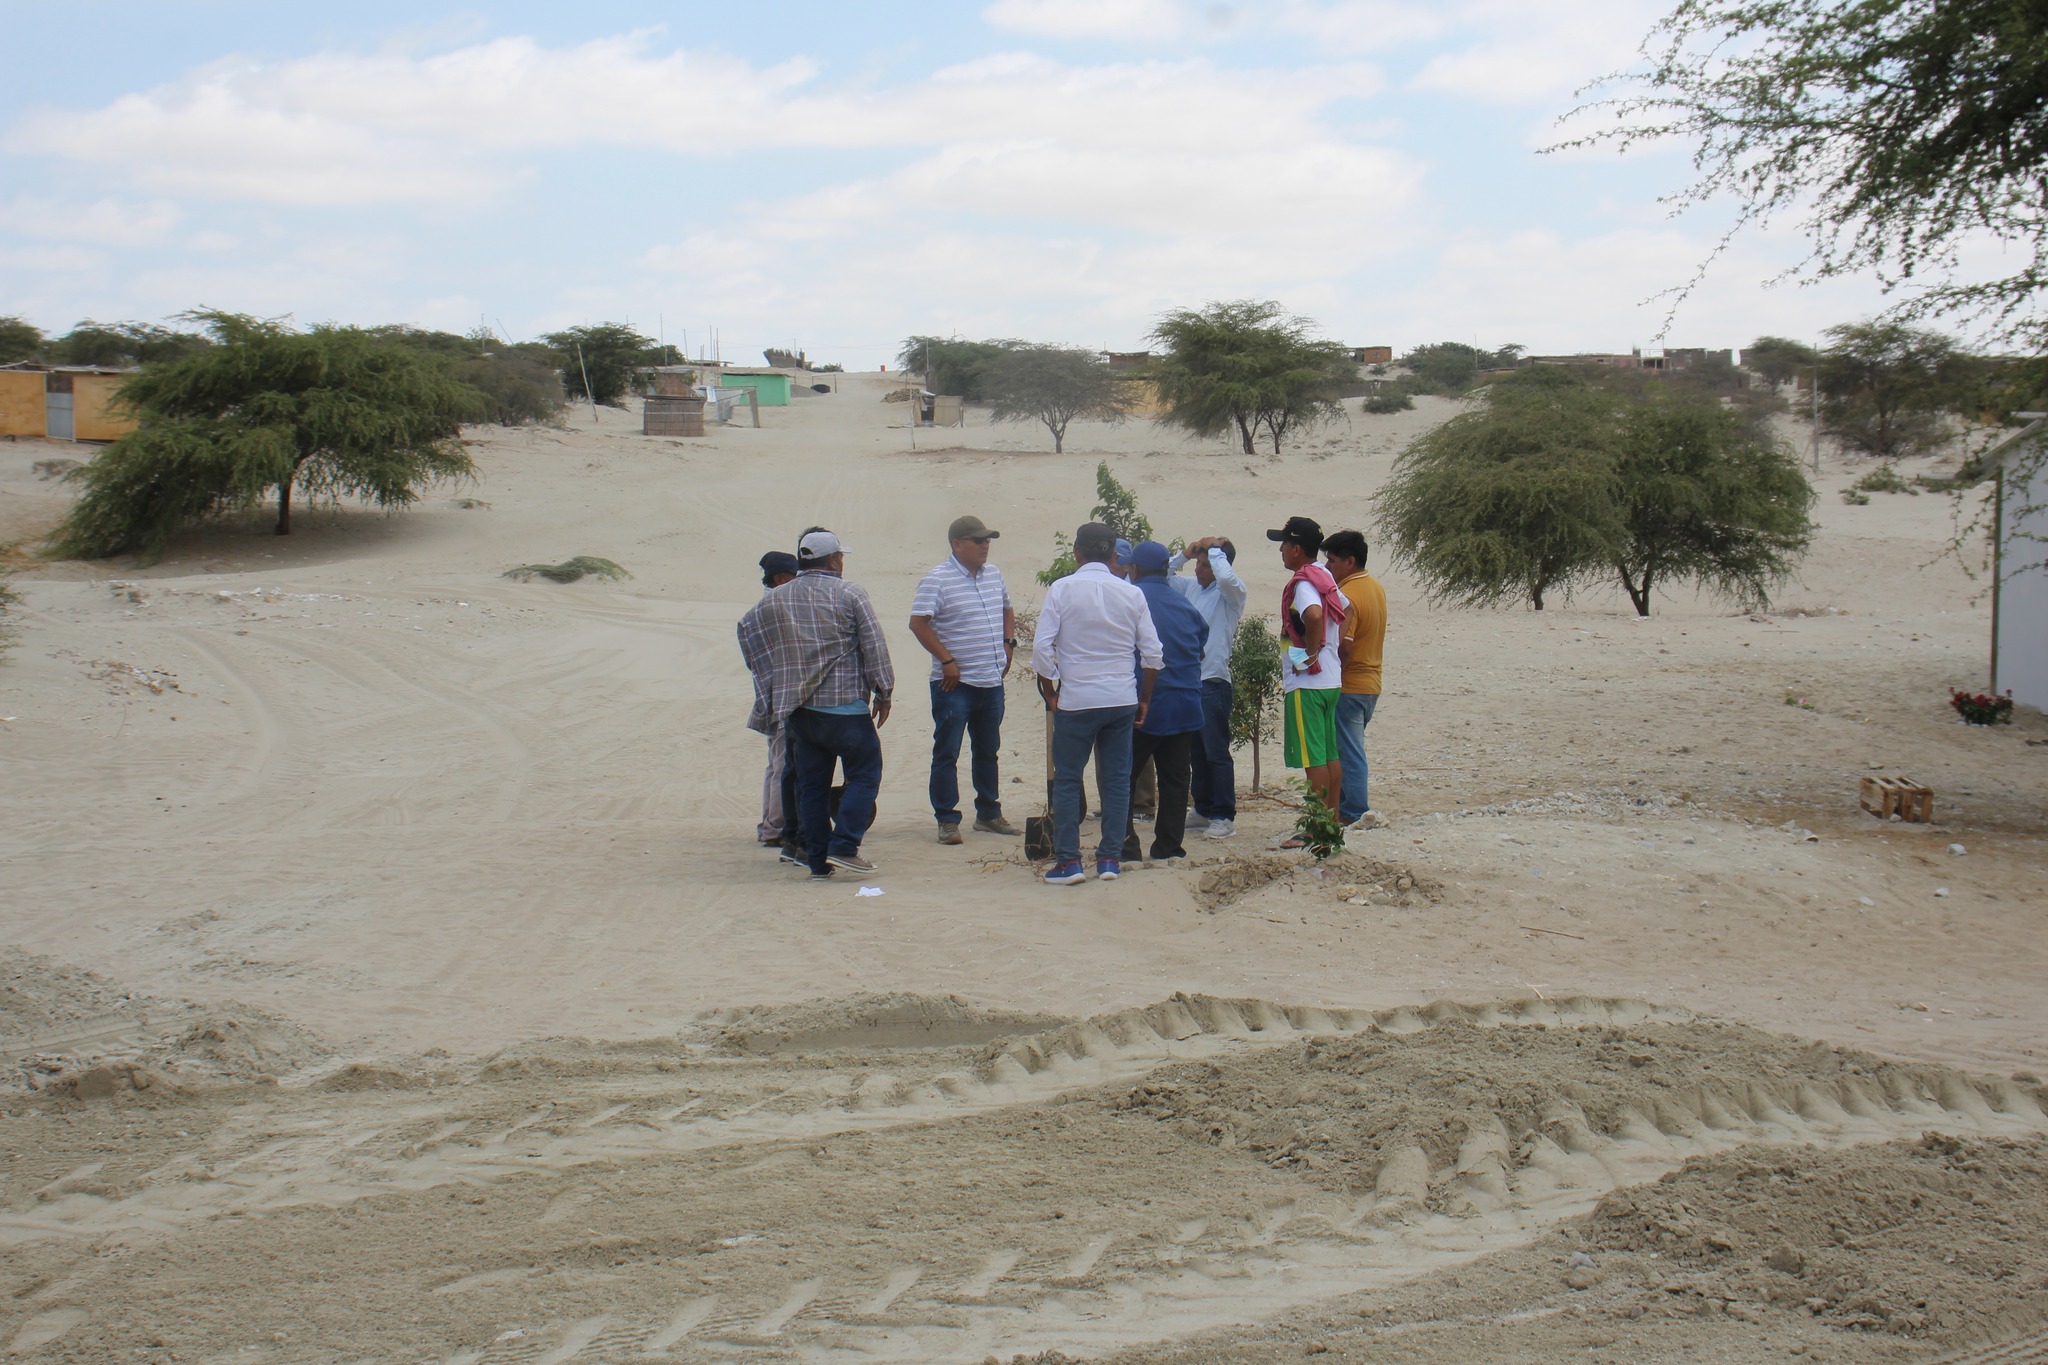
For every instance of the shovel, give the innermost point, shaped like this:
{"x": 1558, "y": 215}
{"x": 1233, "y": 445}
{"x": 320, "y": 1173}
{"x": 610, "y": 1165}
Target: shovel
{"x": 1038, "y": 828}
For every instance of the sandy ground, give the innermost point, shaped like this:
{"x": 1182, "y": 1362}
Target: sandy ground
{"x": 353, "y": 811}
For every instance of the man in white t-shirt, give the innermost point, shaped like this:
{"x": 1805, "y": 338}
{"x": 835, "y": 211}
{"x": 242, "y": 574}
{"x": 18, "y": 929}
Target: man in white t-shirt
{"x": 1312, "y": 674}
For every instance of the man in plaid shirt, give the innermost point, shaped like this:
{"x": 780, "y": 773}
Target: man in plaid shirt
{"x": 816, "y": 651}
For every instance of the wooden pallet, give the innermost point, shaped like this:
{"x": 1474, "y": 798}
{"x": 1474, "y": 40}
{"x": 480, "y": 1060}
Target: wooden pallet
{"x": 1885, "y": 797}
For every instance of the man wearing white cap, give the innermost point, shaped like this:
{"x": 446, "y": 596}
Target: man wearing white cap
{"x": 829, "y": 677}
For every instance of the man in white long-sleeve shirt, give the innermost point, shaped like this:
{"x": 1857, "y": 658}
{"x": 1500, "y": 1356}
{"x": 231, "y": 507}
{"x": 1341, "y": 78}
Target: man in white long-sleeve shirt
{"x": 1219, "y": 595}
{"x": 1096, "y": 656}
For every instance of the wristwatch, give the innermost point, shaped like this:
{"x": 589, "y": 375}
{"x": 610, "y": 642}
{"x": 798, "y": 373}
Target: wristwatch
{"x": 1010, "y": 643}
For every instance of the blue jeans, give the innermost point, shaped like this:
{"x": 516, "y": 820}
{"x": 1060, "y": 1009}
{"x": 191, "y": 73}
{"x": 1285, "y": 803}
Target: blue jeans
{"x": 1213, "y": 777}
{"x": 976, "y": 712}
{"x": 1074, "y": 738}
{"x": 1354, "y": 713}
{"x": 815, "y": 740}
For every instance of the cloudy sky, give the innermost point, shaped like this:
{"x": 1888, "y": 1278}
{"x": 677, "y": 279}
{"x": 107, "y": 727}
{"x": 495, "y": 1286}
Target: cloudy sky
{"x": 838, "y": 176}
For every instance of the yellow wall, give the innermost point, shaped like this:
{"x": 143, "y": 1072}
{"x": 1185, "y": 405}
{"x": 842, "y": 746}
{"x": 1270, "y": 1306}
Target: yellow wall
{"x": 94, "y": 415}
{"x": 21, "y": 403}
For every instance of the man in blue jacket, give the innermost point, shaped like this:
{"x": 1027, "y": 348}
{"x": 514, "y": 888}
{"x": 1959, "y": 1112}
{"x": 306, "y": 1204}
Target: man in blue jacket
{"x": 1167, "y": 734}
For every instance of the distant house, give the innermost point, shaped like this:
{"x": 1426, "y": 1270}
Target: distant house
{"x": 1123, "y": 362}
{"x": 769, "y": 386}
{"x": 1632, "y": 361}
{"x": 2019, "y": 579}
{"x": 62, "y": 402}
{"x": 1686, "y": 358}
{"x": 1373, "y": 355}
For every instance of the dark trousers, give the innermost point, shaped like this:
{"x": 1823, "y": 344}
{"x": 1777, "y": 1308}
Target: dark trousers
{"x": 1169, "y": 753}
{"x": 1214, "y": 773}
{"x": 816, "y": 740}
{"x": 1104, "y": 732}
{"x": 976, "y": 713}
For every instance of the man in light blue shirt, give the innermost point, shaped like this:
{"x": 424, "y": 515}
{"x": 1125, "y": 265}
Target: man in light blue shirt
{"x": 1218, "y": 594}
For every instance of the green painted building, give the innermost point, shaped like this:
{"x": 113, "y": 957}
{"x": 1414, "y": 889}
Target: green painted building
{"x": 772, "y": 388}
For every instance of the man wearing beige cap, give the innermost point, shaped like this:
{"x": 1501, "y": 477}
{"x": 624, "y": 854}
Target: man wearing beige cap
{"x": 962, "y": 616}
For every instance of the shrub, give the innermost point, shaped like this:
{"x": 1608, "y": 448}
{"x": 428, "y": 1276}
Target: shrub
{"x": 1982, "y": 708}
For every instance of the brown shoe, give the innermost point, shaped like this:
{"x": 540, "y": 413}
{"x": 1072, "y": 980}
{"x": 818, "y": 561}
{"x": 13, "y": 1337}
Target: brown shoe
{"x": 997, "y": 826}
{"x": 950, "y": 834}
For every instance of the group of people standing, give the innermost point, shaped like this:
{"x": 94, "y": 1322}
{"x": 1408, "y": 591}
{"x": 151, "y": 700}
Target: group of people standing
{"x": 1132, "y": 658}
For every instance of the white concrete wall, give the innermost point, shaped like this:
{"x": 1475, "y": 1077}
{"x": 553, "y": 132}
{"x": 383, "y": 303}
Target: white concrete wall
{"x": 2023, "y": 593}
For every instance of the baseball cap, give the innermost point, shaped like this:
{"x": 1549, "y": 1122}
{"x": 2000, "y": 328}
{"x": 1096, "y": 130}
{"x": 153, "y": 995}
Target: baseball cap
{"x": 1123, "y": 550}
{"x": 819, "y": 545}
{"x": 1150, "y": 557}
{"x": 970, "y": 528}
{"x": 777, "y": 562}
{"x": 1303, "y": 532}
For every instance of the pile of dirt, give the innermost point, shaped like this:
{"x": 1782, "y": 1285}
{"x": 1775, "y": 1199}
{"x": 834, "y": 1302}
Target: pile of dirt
{"x": 41, "y": 997}
{"x": 1341, "y": 1109}
{"x": 1349, "y": 877}
{"x": 889, "y": 1020}
{"x": 1944, "y": 1237}
{"x": 71, "y": 1031}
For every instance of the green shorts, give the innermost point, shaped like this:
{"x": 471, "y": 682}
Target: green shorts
{"x": 1311, "y": 726}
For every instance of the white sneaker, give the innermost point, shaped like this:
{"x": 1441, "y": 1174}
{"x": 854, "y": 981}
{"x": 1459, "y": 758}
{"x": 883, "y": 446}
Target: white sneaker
{"x": 1372, "y": 819}
{"x": 1197, "y": 821}
{"x": 1220, "y": 829}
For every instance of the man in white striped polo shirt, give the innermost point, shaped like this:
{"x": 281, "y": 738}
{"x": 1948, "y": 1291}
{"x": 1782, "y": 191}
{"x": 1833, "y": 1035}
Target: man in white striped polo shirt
{"x": 962, "y": 616}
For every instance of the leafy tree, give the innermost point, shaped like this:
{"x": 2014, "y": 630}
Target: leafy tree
{"x": 1703, "y": 498}
{"x": 1778, "y": 360}
{"x": 1255, "y": 686}
{"x": 1448, "y": 368}
{"x": 332, "y": 412}
{"x": 1896, "y": 130}
{"x": 1115, "y": 507}
{"x": 20, "y": 340}
{"x": 1884, "y": 387}
{"x": 952, "y": 366}
{"x": 1307, "y": 380}
{"x": 612, "y": 354}
{"x": 124, "y": 343}
{"x": 1391, "y": 398}
{"x": 1515, "y": 498}
{"x": 1246, "y": 365}
{"x": 1054, "y": 385}
{"x": 516, "y": 385}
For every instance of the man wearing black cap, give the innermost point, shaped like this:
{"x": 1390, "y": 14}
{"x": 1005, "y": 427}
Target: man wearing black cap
{"x": 777, "y": 568}
{"x": 1311, "y": 617}
{"x": 962, "y": 616}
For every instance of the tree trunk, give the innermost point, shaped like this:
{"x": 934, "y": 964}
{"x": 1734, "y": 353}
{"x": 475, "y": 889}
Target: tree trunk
{"x": 1536, "y": 595}
{"x": 1639, "y": 597}
{"x": 1276, "y": 440}
{"x": 1255, "y": 756}
{"x": 1059, "y": 438}
{"x": 1245, "y": 435}
{"x": 284, "y": 504}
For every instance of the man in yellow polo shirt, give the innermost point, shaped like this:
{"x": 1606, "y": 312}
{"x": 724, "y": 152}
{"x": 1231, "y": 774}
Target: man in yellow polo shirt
{"x": 1359, "y": 645}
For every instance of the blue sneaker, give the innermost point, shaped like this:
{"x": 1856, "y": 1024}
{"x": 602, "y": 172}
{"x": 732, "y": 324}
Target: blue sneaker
{"x": 1108, "y": 869}
{"x": 1066, "y": 874}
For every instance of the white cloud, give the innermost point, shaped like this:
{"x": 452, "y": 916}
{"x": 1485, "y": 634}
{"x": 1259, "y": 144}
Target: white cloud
{"x": 1527, "y": 53}
{"x": 111, "y": 222}
{"x": 1364, "y": 25}
{"x": 1127, "y": 19}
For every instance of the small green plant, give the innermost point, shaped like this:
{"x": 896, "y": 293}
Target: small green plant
{"x": 1321, "y": 832}
{"x": 1982, "y": 708}
{"x": 1254, "y": 687}
{"x": 569, "y": 570}
{"x": 1115, "y": 507}
{"x": 1884, "y": 479}
{"x": 1389, "y": 399}
{"x": 1794, "y": 699}
{"x": 1854, "y": 498}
